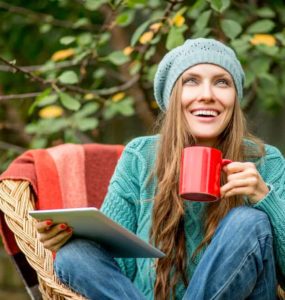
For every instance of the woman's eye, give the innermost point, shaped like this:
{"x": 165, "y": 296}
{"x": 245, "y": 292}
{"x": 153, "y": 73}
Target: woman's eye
{"x": 190, "y": 81}
{"x": 223, "y": 82}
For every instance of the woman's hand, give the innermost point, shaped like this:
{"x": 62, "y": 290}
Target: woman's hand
{"x": 53, "y": 236}
{"x": 244, "y": 179}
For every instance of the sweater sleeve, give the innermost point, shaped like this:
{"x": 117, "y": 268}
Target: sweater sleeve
{"x": 273, "y": 172}
{"x": 120, "y": 201}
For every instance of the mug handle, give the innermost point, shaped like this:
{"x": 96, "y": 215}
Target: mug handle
{"x": 226, "y": 162}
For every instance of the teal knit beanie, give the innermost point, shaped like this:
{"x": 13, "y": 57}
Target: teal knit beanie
{"x": 191, "y": 53}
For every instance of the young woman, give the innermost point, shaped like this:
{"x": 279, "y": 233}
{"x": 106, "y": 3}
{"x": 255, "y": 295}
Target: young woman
{"x": 230, "y": 249}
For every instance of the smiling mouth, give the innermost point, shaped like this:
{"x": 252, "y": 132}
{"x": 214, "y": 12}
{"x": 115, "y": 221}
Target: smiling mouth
{"x": 205, "y": 113}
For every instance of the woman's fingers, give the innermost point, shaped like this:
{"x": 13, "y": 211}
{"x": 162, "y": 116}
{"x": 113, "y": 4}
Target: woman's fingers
{"x": 244, "y": 186}
{"x": 57, "y": 241}
{"x": 43, "y": 226}
{"x": 53, "y": 236}
{"x": 244, "y": 179}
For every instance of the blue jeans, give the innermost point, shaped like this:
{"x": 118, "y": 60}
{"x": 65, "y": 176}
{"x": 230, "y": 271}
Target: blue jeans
{"x": 238, "y": 264}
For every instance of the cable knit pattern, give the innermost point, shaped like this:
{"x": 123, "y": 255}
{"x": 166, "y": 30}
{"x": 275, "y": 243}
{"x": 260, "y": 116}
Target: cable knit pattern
{"x": 130, "y": 201}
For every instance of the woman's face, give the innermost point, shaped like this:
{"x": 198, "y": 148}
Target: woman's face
{"x": 208, "y": 98}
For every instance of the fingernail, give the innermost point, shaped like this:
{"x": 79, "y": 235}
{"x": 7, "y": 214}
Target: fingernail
{"x": 62, "y": 226}
{"x": 48, "y": 222}
{"x": 69, "y": 229}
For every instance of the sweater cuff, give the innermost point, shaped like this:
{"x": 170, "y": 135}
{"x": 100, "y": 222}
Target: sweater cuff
{"x": 272, "y": 204}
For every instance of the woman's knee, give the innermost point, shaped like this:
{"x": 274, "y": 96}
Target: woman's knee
{"x": 72, "y": 254}
{"x": 246, "y": 220}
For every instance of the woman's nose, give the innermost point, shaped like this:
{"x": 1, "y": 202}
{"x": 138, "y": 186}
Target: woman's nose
{"x": 206, "y": 93}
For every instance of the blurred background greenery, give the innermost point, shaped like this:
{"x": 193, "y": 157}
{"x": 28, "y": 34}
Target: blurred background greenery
{"x": 81, "y": 71}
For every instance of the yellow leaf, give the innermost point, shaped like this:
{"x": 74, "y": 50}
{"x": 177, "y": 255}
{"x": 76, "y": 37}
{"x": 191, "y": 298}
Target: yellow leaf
{"x": 263, "y": 39}
{"x": 62, "y": 54}
{"x": 128, "y": 50}
{"x": 118, "y": 97}
{"x": 50, "y": 112}
{"x": 178, "y": 20}
{"x": 146, "y": 37}
{"x": 156, "y": 26}
{"x": 89, "y": 96}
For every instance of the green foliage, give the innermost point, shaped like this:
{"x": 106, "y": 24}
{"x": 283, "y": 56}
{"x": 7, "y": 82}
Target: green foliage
{"x": 88, "y": 52}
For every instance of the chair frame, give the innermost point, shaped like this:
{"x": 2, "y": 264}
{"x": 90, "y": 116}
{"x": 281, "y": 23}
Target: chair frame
{"x": 16, "y": 200}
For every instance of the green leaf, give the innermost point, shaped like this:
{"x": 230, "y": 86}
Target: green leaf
{"x": 109, "y": 112}
{"x": 135, "y": 68}
{"x": 139, "y": 31}
{"x": 127, "y": 111}
{"x": 81, "y": 55}
{"x": 69, "y": 102}
{"x": 202, "y": 21}
{"x": 231, "y": 28}
{"x": 262, "y": 26}
{"x": 88, "y": 109}
{"x": 249, "y": 78}
{"x": 272, "y": 50}
{"x": 260, "y": 65}
{"x": 67, "y": 40}
{"x": 220, "y": 5}
{"x": 99, "y": 73}
{"x": 81, "y": 22}
{"x": 125, "y": 18}
{"x": 94, "y": 4}
{"x": 174, "y": 38}
{"x": 118, "y": 58}
{"x": 151, "y": 72}
{"x": 104, "y": 38}
{"x": 150, "y": 52}
{"x": 135, "y": 3}
{"x": 125, "y": 107}
{"x": 84, "y": 39}
{"x": 45, "y": 28}
{"x": 47, "y": 100}
{"x": 31, "y": 128}
{"x": 88, "y": 124}
{"x": 39, "y": 142}
{"x": 281, "y": 38}
{"x": 68, "y": 77}
{"x": 38, "y": 99}
{"x": 196, "y": 9}
{"x": 202, "y": 33}
{"x": 241, "y": 45}
{"x": 265, "y": 12}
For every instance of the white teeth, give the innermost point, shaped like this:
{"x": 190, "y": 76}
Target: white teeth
{"x": 212, "y": 113}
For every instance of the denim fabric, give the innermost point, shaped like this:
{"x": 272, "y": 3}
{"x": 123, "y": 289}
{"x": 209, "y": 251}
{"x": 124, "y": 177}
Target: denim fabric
{"x": 238, "y": 264}
{"x": 88, "y": 269}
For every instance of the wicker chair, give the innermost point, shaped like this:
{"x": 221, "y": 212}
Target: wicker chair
{"x": 16, "y": 199}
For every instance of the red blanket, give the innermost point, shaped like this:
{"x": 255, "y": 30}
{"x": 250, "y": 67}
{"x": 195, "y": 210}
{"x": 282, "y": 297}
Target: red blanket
{"x": 64, "y": 176}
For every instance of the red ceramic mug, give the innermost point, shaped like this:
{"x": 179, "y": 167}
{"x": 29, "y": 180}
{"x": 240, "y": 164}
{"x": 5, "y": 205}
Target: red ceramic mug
{"x": 200, "y": 173}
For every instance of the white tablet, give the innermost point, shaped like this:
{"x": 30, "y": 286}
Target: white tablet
{"x": 92, "y": 224}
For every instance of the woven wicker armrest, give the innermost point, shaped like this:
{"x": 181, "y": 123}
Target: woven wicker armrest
{"x": 16, "y": 199}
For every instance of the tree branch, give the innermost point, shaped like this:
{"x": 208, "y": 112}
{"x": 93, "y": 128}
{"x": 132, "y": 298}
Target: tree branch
{"x": 96, "y": 93}
{"x": 19, "y": 96}
{"x": 43, "y": 68}
{"x": 15, "y": 148}
{"x": 43, "y": 18}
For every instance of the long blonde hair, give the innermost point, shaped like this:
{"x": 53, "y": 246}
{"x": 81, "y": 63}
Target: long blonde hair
{"x": 167, "y": 229}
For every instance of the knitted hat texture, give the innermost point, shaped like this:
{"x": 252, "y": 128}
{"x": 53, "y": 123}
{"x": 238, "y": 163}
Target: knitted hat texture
{"x": 191, "y": 53}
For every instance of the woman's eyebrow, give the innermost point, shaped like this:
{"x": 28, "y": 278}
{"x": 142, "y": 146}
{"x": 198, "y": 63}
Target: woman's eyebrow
{"x": 191, "y": 74}
{"x": 224, "y": 75}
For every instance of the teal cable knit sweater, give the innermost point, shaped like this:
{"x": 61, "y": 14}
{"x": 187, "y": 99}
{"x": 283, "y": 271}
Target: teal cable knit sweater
{"x": 129, "y": 202}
